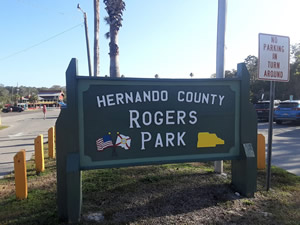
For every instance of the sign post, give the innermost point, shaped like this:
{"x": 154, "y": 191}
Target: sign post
{"x": 274, "y": 65}
{"x": 222, "y": 9}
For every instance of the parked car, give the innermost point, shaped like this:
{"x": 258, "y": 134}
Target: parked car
{"x": 287, "y": 111}
{"x": 13, "y": 109}
{"x": 263, "y": 107}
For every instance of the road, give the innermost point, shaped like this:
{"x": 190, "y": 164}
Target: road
{"x": 23, "y": 128}
{"x": 285, "y": 146}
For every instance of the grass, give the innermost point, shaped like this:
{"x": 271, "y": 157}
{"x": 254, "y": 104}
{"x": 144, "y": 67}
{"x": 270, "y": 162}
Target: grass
{"x": 187, "y": 193}
{"x": 3, "y": 127}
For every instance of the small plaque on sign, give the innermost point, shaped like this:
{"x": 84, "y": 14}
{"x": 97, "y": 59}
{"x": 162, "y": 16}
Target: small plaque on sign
{"x": 249, "y": 150}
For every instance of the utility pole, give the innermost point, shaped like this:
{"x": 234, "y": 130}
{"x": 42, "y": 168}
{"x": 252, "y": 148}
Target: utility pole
{"x": 87, "y": 40}
{"x": 96, "y": 37}
{"x": 222, "y": 5}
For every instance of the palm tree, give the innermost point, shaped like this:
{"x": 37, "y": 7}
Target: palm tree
{"x": 114, "y": 10}
{"x": 33, "y": 99}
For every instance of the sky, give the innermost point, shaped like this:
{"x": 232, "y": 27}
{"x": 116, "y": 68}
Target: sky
{"x": 172, "y": 38}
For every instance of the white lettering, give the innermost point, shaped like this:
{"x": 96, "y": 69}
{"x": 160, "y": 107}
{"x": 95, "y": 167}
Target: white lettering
{"x": 180, "y": 117}
{"x": 145, "y": 115}
{"x": 164, "y": 96}
{"x": 179, "y": 98}
{"x": 193, "y": 116}
{"x": 119, "y": 98}
{"x": 169, "y": 117}
{"x": 110, "y": 100}
{"x": 213, "y": 98}
{"x": 180, "y": 139}
{"x": 158, "y": 121}
{"x": 155, "y": 96}
{"x": 189, "y": 96}
{"x": 134, "y": 119}
{"x": 169, "y": 139}
{"x": 197, "y": 100}
{"x": 221, "y": 99}
{"x": 138, "y": 97}
{"x": 147, "y": 96}
{"x": 144, "y": 139}
{"x": 205, "y": 98}
{"x": 158, "y": 141}
{"x": 99, "y": 101}
{"x": 128, "y": 97}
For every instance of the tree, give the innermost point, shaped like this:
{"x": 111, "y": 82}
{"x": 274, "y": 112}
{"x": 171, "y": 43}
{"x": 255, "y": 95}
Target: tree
{"x": 33, "y": 99}
{"x": 96, "y": 37}
{"x": 228, "y": 74}
{"x": 114, "y": 10}
{"x": 55, "y": 87}
{"x": 252, "y": 65}
{"x": 258, "y": 88}
{"x": 4, "y": 96}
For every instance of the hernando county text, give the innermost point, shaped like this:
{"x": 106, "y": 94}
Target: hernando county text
{"x": 138, "y": 119}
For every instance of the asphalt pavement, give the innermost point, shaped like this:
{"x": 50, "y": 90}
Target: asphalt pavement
{"x": 23, "y": 128}
{"x": 285, "y": 145}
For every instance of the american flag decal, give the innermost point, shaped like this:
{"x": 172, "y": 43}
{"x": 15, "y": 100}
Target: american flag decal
{"x": 103, "y": 143}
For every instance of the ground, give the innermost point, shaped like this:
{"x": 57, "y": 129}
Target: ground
{"x": 189, "y": 193}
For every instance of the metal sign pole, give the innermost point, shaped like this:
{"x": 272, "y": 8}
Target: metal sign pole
{"x": 270, "y": 134}
{"x": 222, "y": 8}
{"x": 222, "y": 5}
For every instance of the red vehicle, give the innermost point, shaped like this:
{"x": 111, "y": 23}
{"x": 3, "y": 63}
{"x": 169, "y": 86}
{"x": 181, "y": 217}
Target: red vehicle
{"x": 262, "y": 109}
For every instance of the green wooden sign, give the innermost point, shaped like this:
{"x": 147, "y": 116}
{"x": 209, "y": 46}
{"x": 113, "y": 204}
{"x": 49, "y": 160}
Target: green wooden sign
{"x": 130, "y": 121}
{"x": 127, "y": 122}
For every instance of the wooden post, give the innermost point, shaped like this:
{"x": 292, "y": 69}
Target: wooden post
{"x": 51, "y": 143}
{"x": 39, "y": 154}
{"x": 20, "y": 175}
{"x": 261, "y": 151}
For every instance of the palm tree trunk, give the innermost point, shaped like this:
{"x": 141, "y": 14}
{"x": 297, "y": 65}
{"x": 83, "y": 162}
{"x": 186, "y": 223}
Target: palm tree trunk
{"x": 96, "y": 37}
{"x": 114, "y": 53}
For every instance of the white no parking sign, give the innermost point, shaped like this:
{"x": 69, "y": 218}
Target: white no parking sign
{"x": 274, "y": 65}
{"x": 274, "y": 58}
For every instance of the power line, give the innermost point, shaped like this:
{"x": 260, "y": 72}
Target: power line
{"x": 48, "y": 39}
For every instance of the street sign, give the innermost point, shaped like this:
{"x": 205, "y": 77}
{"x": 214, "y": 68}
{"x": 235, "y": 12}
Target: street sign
{"x": 274, "y": 65}
{"x": 274, "y": 58}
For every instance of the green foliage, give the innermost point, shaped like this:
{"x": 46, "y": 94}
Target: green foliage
{"x": 33, "y": 98}
{"x": 114, "y": 10}
{"x": 3, "y": 127}
{"x": 11, "y": 95}
{"x": 283, "y": 90}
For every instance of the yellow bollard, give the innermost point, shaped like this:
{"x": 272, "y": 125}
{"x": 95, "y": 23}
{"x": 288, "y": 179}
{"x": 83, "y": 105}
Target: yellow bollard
{"x": 54, "y": 136}
{"x": 51, "y": 143}
{"x": 20, "y": 175}
{"x": 261, "y": 151}
{"x": 39, "y": 154}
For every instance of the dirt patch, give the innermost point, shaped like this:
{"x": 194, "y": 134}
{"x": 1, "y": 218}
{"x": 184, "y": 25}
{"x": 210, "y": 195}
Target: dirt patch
{"x": 187, "y": 195}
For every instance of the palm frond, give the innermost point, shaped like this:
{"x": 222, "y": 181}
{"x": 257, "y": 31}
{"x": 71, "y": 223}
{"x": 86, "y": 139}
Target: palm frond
{"x": 106, "y": 19}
